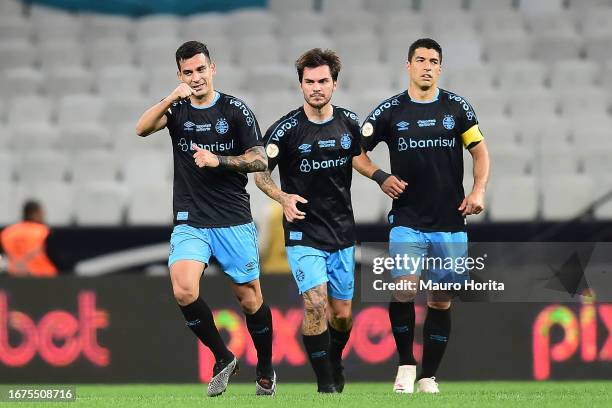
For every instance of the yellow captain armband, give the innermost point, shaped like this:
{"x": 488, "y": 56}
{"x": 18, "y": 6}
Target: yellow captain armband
{"x": 471, "y": 136}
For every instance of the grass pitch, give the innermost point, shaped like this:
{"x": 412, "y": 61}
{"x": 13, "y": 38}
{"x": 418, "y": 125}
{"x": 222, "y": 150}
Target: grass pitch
{"x": 589, "y": 394}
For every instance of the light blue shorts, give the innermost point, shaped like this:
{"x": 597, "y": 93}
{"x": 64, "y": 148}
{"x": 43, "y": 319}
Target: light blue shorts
{"x": 234, "y": 247}
{"x": 312, "y": 267}
{"x": 441, "y": 253}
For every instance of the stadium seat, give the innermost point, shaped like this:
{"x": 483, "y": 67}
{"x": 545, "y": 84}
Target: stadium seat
{"x": 156, "y": 27}
{"x": 488, "y": 103}
{"x": 500, "y": 23}
{"x": 370, "y": 75}
{"x": 525, "y": 102}
{"x": 38, "y": 166}
{"x": 566, "y": 197}
{"x": 509, "y": 75}
{"x": 11, "y": 8}
{"x": 57, "y": 198}
{"x": 201, "y": 26}
{"x": 67, "y": 53}
{"x": 16, "y": 54}
{"x": 84, "y": 136}
{"x": 596, "y": 160}
{"x": 557, "y": 47}
{"x": 7, "y": 166}
{"x": 10, "y": 210}
{"x": 125, "y": 108}
{"x": 340, "y": 6}
{"x": 270, "y": 106}
{"x": 109, "y": 53}
{"x": 20, "y": 110}
{"x": 461, "y": 53}
{"x": 161, "y": 82}
{"x": 289, "y": 7}
{"x": 470, "y": 80}
{"x": 556, "y": 161}
{"x": 434, "y": 7}
{"x": 271, "y": 78}
{"x": 589, "y": 4}
{"x": 144, "y": 165}
{"x": 252, "y": 23}
{"x": 540, "y": 7}
{"x": 371, "y": 210}
{"x": 248, "y": 51}
{"x": 480, "y": 6}
{"x": 507, "y": 49}
{"x": 32, "y": 136}
{"x": 354, "y": 49}
{"x": 351, "y": 21}
{"x": 105, "y": 27}
{"x": 15, "y": 28}
{"x": 80, "y": 109}
{"x": 513, "y": 198}
{"x": 597, "y": 47}
{"x": 62, "y": 81}
{"x": 100, "y": 204}
{"x": 296, "y": 46}
{"x": 120, "y": 81}
{"x": 592, "y": 135}
{"x": 58, "y": 30}
{"x": 92, "y": 165}
{"x": 595, "y": 21}
{"x": 561, "y": 23}
{"x": 230, "y": 79}
{"x": 390, "y": 8}
{"x": 513, "y": 160}
{"x": 452, "y": 27}
{"x": 500, "y": 132}
{"x": 564, "y": 73}
{"x": 150, "y": 205}
{"x": 157, "y": 54}
{"x": 21, "y": 82}
{"x": 578, "y": 101}
{"x": 302, "y": 23}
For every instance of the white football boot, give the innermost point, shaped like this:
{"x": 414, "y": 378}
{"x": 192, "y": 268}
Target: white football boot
{"x": 404, "y": 380}
{"x": 427, "y": 385}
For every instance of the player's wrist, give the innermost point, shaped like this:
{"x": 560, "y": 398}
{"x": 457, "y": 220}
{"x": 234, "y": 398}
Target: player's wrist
{"x": 380, "y": 176}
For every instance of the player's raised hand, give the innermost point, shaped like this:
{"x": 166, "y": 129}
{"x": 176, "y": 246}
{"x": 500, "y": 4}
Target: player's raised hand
{"x": 181, "y": 92}
{"x": 472, "y": 204}
{"x": 290, "y": 207}
{"x": 393, "y": 187}
{"x": 204, "y": 158}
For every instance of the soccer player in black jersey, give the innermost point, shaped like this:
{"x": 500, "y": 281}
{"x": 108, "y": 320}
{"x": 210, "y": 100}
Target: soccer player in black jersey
{"x": 425, "y": 129}
{"x": 215, "y": 141}
{"x": 314, "y": 147}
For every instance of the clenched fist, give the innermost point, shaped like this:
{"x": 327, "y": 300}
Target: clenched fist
{"x": 181, "y": 92}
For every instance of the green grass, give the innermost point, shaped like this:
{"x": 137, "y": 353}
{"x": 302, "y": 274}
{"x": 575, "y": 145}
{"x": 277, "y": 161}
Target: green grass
{"x": 589, "y": 394}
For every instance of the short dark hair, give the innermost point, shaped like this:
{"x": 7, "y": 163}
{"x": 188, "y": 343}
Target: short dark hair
{"x": 424, "y": 43}
{"x": 315, "y": 58}
{"x": 189, "y": 49}
{"x": 30, "y": 207}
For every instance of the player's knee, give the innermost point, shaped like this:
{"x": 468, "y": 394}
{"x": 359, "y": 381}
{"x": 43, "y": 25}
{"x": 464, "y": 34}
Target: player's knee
{"x": 342, "y": 320}
{"x": 404, "y": 295}
{"x": 439, "y": 304}
{"x": 315, "y": 306}
{"x": 250, "y": 305}
{"x": 185, "y": 295}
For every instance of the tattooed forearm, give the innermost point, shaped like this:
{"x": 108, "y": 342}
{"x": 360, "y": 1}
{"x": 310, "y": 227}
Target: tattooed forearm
{"x": 252, "y": 160}
{"x": 264, "y": 182}
{"x": 315, "y": 310}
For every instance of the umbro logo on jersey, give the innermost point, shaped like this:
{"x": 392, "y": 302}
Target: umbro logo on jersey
{"x": 305, "y": 148}
{"x": 402, "y": 126}
{"x": 188, "y": 126}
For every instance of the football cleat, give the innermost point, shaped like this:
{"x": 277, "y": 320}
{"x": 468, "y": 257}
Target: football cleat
{"x": 222, "y": 371}
{"x": 428, "y": 385}
{"x": 265, "y": 385}
{"x": 404, "y": 380}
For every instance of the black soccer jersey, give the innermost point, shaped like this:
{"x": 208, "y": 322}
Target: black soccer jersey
{"x": 211, "y": 197}
{"x": 426, "y": 143}
{"x": 315, "y": 162}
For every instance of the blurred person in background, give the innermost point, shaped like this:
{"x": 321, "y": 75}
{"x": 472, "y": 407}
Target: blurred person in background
{"x": 26, "y": 244}
{"x": 426, "y": 129}
{"x": 216, "y": 141}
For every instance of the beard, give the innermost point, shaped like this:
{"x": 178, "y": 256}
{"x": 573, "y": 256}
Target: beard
{"x": 318, "y": 105}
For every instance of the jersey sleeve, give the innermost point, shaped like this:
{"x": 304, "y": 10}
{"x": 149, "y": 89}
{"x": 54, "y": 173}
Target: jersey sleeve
{"x": 273, "y": 141}
{"x": 467, "y": 123}
{"x": 375, "y": 128}
{"x": 245, "y": 125}
{"x": 353, "y": 124}
{"x": 171, "y": 116}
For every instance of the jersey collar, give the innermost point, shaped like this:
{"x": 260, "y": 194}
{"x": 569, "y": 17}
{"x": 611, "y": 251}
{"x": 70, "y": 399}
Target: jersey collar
{"x": 435, "y": 98}
{"x": 215, "y": 99}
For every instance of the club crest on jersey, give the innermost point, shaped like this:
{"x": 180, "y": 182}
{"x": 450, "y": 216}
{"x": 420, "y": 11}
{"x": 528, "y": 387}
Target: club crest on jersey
{"x": 345, "y": 141}
{"x": 305, "y": 148}
{"x": 402, "y": 126}
{"x": 448, "y": 122}
{"x": 221, "y": 126}
{"x": 272, "y": 150}
{"x": 367, "y": 129}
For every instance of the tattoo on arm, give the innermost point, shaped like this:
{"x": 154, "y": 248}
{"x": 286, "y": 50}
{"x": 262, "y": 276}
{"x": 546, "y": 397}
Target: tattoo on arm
{"x": 268, "y": 186}
{"x": 254, "y": 159}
